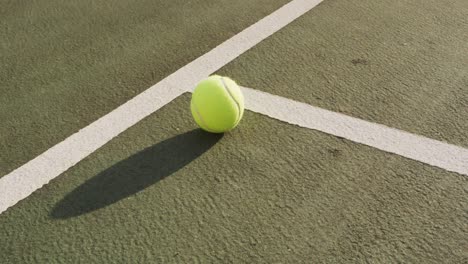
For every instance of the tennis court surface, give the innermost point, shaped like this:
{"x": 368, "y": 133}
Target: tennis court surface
{"x": 353, "y": 147}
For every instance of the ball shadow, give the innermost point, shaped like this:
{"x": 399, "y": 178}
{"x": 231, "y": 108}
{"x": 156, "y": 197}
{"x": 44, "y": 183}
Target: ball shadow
{"x": 135, "y": 173}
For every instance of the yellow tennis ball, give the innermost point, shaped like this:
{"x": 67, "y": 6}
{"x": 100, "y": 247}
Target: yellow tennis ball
{"x": 217, "y": 104}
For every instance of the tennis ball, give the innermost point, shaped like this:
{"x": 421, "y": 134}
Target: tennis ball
{"x": 217, "y": 104}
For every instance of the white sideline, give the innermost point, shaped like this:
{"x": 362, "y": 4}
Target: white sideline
{"x": 426, "y": 150}
{"x": 23, "y": 181}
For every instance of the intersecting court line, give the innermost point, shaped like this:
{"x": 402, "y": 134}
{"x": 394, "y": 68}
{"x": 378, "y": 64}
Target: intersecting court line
{"x": 20, "y": 183}
{"x": 419, "y": 148}
{"x": 23, "y": 181}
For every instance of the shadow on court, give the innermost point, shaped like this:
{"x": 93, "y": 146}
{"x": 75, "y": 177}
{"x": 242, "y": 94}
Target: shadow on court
{"x": 135, "y": 173}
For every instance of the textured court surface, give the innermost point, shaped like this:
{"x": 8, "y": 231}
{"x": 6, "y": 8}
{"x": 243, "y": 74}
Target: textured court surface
{"x": 64, "y": 65}
{"x": 268, "y": 192}
{"x": 399, "y": 63}
{"x": 180, "y": 195}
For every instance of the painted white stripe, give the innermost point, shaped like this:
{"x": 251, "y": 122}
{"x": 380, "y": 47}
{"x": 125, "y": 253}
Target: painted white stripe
{"x": 426, "y": 150}
{"x": 20, "y": 183}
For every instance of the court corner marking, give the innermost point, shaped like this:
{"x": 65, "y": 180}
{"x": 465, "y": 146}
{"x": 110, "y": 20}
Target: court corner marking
{"x": 31, "y": 176}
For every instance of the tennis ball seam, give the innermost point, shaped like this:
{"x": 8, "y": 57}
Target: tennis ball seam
{"x": 232, "y": 97}
{"x": 201, "y": 117}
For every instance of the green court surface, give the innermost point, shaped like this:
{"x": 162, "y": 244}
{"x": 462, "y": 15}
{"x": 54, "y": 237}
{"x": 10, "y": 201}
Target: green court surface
{"x": 164, "y": 191}
{"x": 400, "y": 63}
{"x": 65, "y": 64}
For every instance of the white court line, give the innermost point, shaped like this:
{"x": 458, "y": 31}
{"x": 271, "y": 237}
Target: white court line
{"x": 426, "y": 150}
{"x": 23, "y": 181}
